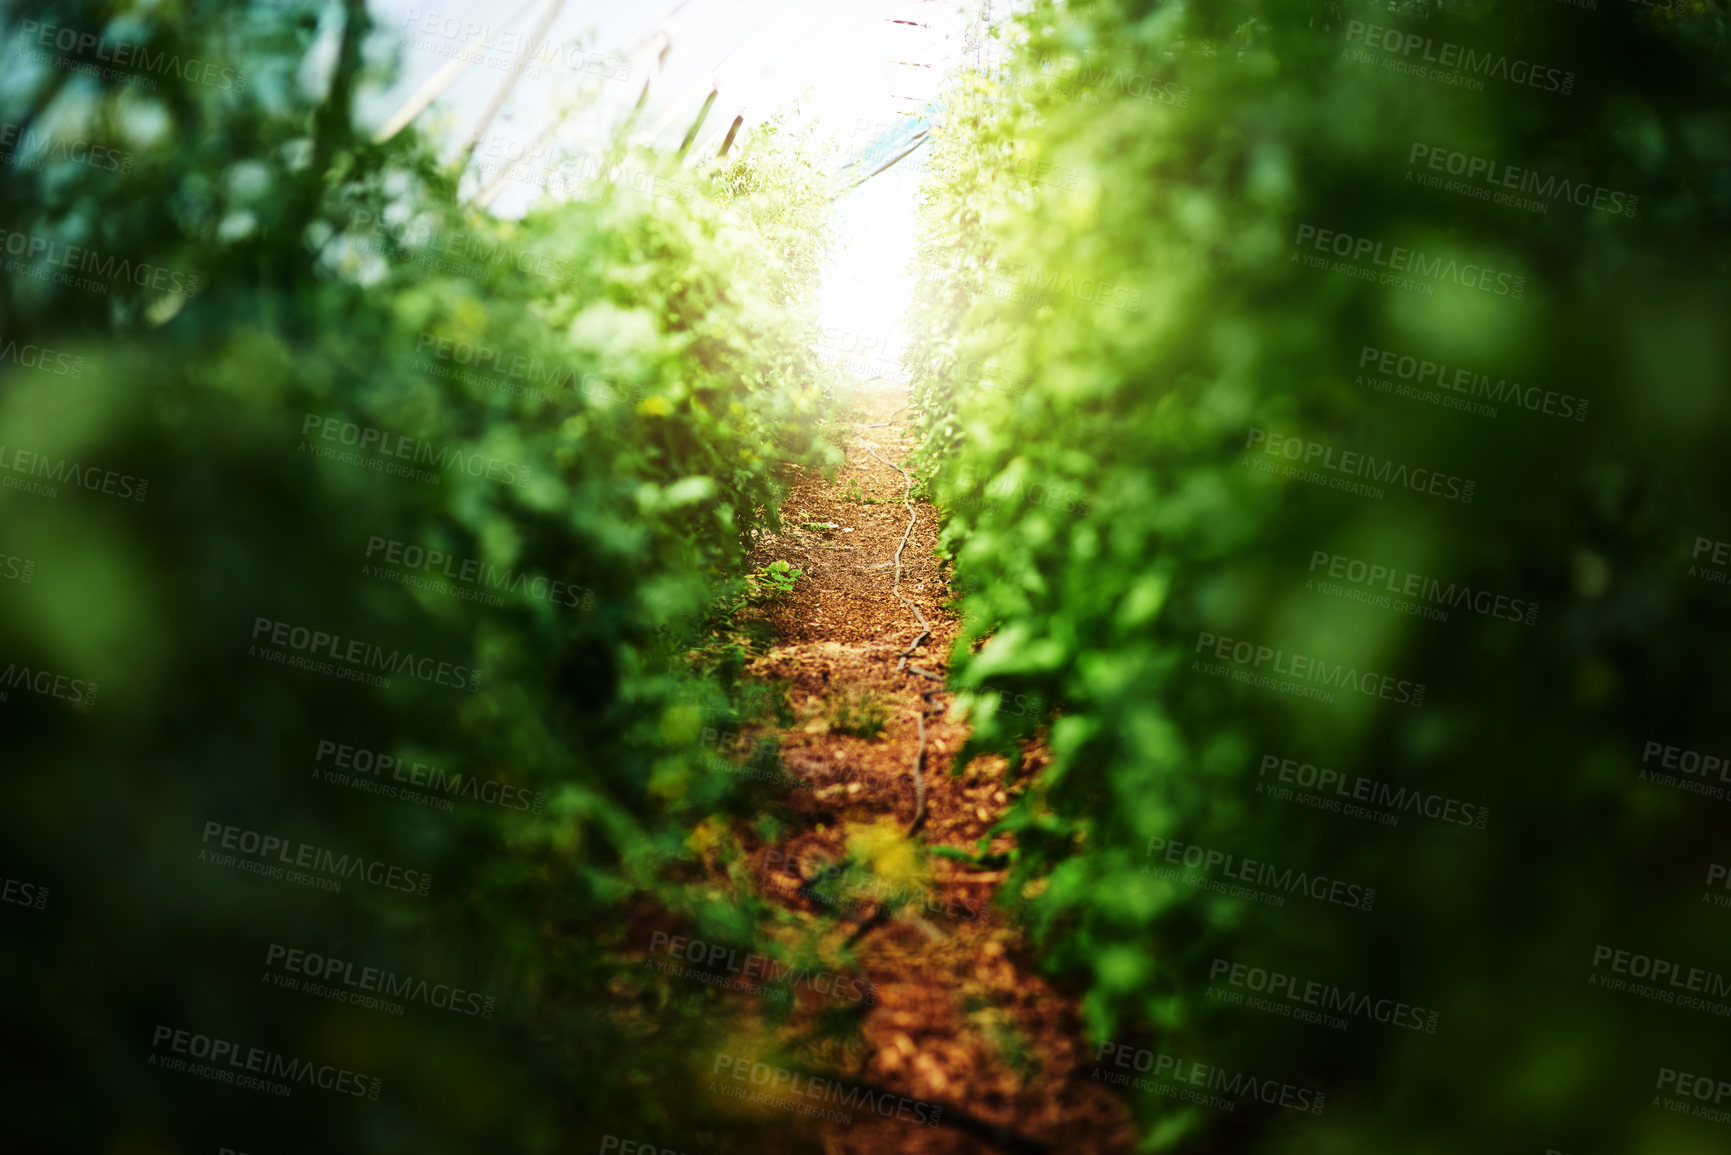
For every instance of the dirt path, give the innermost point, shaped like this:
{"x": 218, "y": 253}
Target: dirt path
{"x": 961, "y": 1021}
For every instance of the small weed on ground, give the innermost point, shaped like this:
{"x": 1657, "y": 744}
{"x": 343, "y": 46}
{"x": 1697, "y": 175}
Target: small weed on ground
{"x": 863, "y": 714}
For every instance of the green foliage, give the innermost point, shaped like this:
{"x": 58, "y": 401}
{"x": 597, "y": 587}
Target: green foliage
{"x": 732, "y": 633}
{"x": 1114, "y": 299}
{"x": 881, "y": 868}
{"x": 856, "y": 496}
{"x": 597, "y": 400}
{"x": 863, "y": 714}
{"x": 774, "y": 580}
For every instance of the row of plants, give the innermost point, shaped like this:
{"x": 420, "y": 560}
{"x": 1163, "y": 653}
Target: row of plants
{"x": 364, "y": 539}
{"x": 1380, "y": 344}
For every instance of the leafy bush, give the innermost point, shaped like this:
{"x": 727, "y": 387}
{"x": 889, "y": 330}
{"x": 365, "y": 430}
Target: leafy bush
{"x": 862, "y": 715}
{"x": 1118, "y": 299}
{"x": 381, "y": 528}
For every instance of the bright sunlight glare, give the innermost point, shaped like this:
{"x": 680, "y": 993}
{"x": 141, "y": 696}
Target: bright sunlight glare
{"x": 866, "y": 284}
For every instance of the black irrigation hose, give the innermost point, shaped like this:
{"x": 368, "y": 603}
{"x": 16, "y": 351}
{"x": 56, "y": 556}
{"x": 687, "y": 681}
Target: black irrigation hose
{"x": 882, "y": 914}
{"x": 925, "y": 632}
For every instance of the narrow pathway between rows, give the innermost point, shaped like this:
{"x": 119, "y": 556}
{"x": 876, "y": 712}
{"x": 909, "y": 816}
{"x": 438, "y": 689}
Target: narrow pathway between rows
{"x": 961, "y": 1021}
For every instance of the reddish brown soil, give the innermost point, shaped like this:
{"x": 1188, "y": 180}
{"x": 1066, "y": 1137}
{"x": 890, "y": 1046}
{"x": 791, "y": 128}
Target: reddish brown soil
{"x": 962, "y": 1021}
